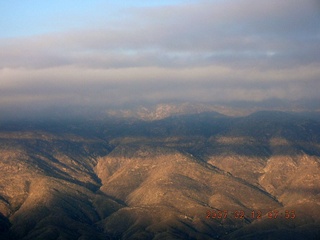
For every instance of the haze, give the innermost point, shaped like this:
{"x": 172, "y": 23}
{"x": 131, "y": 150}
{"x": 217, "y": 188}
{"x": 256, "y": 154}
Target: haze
{"x": 88, "y": 54}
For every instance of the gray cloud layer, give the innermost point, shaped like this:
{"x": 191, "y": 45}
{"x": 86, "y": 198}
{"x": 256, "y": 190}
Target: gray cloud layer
{"x": 205, "y": 51}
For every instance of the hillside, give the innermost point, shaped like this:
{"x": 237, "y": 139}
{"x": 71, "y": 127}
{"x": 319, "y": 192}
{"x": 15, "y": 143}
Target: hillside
{"x": 197, "y": 176}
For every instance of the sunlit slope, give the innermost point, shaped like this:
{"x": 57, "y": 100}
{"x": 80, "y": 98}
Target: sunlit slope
{"x": 175, "y": 189}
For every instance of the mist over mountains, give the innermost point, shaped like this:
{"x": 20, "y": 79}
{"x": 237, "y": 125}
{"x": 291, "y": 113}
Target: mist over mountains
{"x": 169, "y": 172}
{"x": 149, "y": 110}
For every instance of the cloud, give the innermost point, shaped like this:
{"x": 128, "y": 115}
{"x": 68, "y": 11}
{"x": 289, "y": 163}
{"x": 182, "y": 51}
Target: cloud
{"x": 153, "y": 83}
{"x": 208, "y": 31}
{"x": 202, "y": 50}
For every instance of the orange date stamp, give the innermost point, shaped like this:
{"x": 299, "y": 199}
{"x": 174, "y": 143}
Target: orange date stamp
{"x": 254, "y": 214}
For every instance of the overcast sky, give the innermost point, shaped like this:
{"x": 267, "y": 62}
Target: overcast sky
{"x": 90, "y": 53}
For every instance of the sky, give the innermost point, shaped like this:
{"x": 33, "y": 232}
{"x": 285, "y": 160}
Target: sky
{"x": 98, "y": 53}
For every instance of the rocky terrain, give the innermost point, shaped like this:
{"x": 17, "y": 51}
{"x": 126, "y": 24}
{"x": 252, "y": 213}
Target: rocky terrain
{"x": 196, "y": 176}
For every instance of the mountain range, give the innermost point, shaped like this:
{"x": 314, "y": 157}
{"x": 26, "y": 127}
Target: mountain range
{"x": 163, "y": 174}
